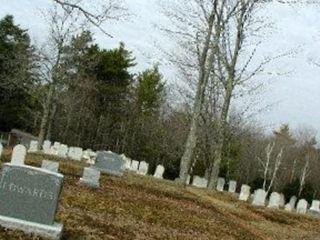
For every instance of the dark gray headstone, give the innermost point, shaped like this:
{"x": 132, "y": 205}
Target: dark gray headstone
{"x": 29, "y": 193}
{"x": 108, "y": 162}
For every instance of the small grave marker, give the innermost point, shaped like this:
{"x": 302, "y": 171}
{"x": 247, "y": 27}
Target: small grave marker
{"x": 259, "y": 198}
{"x": 199, "y": 182}
{"x": 245, "y": 193}
{"x": 274, "y": 201}
{"x": 232, "y": 186}
{"x": 220, "y": 185}
{"x": 18, "y": 155}
{"x": 143, "y": 168}
{"x": 50, "y": 166}
{"x": 159, "y": 172}
{"x": 90, "y": 177}
{"x": 302, "y": 206}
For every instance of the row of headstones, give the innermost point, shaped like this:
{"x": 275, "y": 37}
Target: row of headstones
{"x": 259, "y": 198}
{"x": 142, "y": 168}
{"x": 62, "y": 150}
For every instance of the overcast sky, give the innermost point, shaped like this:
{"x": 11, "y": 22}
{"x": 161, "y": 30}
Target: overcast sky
{"x": 295, "y": 97}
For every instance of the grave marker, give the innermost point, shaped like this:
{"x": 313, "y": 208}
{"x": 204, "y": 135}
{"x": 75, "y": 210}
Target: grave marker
{"x": 259, "y": 198}
{"x": 302, "y": 206}
{"x": 221, "y": 183}
{"x": 245, "y": 193}
{"x": 34, "y": 145}
{"x": 110, "y": 163}
{"x": 274, "y": 201}
{"x": 46, "y": 147}
{"x": 29, "y": 199}
{"x": 18, "y": 155}
{"x": 159, "y": 172}
{"x": 232, "y": 186}
{"x": 291, "y": 205}
{"x": 143, "y": 168}
{"x": 199, "y": 182}
{"x": 315, "y": 206}
{"x": 90, "y": 177}
{"x": 50, "y": 166}
{"x": 134, "y": 166}
{"x": 63, "y": 150}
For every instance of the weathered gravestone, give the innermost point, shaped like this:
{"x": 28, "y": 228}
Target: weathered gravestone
{"x": 110, "y": 163}
{"x": 54, "y": 148}
{"x": 1, "y": 149}
{"x": 302, "y": 206}
{"x": 159, "y": 172}
{"x": 18, "y": 155}
{"x": 143, "y": 168}
{"x": 33, "y": 146}
{"x": 46, "y": 147}
{"x": 315, "y": 208}
{"x": 232, "y": 186}
{"x": 259, "y": 198}
{"x": 199, "y": 182}
{"x": 50, "y": 166}
{"x": 90, "y": 177}
{"x": 291, "y": 205}
{"x": 75, "y": 153}
{"x": 220, "y": 185}
{"x": 134, "y": 166}
{"x": 274, "y": 201}
{"x": 29, "y": 199}
{"x": 63, "y": 150}
{"x": 245, "y": 193}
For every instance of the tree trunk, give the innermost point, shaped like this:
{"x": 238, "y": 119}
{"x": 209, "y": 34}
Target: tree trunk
{"x": 45, "y": 116}
{"x": 221, "y": 136}
{"x": 206, "y": 62}
{"x": 50, "y": 124}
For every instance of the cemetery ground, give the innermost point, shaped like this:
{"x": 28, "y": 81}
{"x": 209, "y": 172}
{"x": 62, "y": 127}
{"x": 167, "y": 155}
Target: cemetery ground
{"x": 139, "y": 207}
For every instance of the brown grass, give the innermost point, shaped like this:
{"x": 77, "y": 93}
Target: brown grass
{"x": 136, "y": 207}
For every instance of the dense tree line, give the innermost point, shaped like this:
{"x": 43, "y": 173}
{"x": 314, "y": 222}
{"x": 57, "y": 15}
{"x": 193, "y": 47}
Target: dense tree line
{"x": 90, "y": 97}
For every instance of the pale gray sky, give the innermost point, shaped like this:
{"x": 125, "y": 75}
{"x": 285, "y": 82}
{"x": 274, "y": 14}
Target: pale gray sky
{"x": 295, "y": 97}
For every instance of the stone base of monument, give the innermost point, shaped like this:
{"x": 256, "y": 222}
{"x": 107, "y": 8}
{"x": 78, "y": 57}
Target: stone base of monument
{"x": 107, "y": 171}
{"x": 47, "y": 231}
{"x": 89, "y": 183}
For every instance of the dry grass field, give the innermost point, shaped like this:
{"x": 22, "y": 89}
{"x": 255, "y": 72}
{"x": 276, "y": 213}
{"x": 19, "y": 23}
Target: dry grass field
{"x": 134, "y": 207}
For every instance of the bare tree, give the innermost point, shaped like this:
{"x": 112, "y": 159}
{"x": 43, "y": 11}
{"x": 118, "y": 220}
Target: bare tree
{"x": 96, "y": 14}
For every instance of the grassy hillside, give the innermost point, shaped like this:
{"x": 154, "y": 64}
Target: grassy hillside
{"x": 135, "y": 207}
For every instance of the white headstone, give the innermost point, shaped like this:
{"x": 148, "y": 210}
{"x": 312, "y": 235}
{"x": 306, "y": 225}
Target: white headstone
{"x": 274, "y": 201}
{"x": 159, "y": 172}
{"x": 259, "y": 198}
{"x": 50, "y": 166}
{"x": 302, "y": 206}
{"x": 18, "y": 155}
{"x": 33, "y": 146}
{"x": 315, "y": 206}
{"x": 46, "y": 147}
{"x": 199, "y": 182}
{"x": 245, "y": 193}
{"x": 282, "y": 200}
{"x": 1, "y": 149}
{"x": 134, "y": 165}
{"x": 143, "y": 168}
{"x": 220, "y": 185}
{"x": 75, "y": 153}
{"x": 232, "y": 186}
{"x": 188, "y": 179}
{"x": 91, "y": 177}
{"x": 54, "y": 148}
{"x": 291, "y": 205}
{"x": 63, "y": 150}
